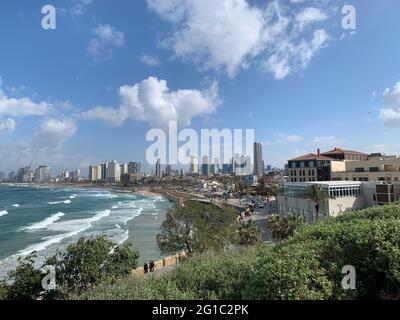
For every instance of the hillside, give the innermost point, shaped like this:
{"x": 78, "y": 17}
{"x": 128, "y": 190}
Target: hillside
{"x": 306, "y": 266}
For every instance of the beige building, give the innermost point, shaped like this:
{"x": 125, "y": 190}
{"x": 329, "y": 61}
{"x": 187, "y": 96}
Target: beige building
{"x": 314, "y": 167}
{"x": 375, "y": 168}
{"x": 346, "y": 196}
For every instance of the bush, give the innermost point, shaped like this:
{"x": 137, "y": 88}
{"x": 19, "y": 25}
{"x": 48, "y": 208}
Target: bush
{"x": 85, "y": 264}
{"x": 309, "y": 265}
{"x": 208, "y": 276}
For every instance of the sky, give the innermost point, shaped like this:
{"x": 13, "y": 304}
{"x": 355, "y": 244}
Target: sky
{"x": 90, "y": 90}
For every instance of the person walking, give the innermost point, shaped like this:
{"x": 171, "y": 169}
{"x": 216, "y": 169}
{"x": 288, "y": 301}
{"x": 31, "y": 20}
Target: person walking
{"x": 146, "y": 268}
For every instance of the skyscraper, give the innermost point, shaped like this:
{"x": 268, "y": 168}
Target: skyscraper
{"x": 158, "y": 169}
{"x": 114, "y": 172}
{"x": 205, "y": 167}
{"x": 258, "y": 161}
{"x": 194, "y": 165}
{"x": 134, "y": 168}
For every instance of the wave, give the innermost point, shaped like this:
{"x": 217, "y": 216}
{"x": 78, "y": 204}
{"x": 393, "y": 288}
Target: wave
{"x": 15, "y": 205}
{"x": 70, "y": 228}
{"x": 46, "y": 222}
{"x": 59, "y": 202}
{"x": 3, "y": 213}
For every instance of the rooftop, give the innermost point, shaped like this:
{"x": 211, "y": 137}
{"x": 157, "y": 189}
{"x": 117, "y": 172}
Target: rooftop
{"x": 312, "y": 156}
{"x": 340, "y": 151}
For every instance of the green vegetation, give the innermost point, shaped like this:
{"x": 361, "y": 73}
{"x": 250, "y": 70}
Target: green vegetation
{"x": 249, "y": 233}
{"x": 197, "y": 227}
{"x": 308, "y": 265}
{"x": 318, "y": 195}
{"x": 283, "y": 227}
{"x": 84, "y": 265}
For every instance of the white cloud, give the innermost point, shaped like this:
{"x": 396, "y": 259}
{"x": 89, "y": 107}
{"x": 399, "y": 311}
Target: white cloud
{"x": 230, "y": 35}
{"x": 390, "y": 111}
{"x": 77, "y": 8}
{"x": 45, "y": 147}
{"x": 150, "y": 60}
{"x": 326, "y": 141}
{"x": 52, "y": 133}
{"x": 107, "y": 38}
{"x": 287, "y": 138}
{"x": 21, "y": 107}
{"x": 152, "y": 101}
{"x": 7, "y": 126}
{"x": 310, "y": 15}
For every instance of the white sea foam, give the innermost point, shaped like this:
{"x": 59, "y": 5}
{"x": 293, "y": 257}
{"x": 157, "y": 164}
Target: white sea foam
{"x": 46, "y": 222}
{"x": 59, "y": 202}
{"x": 3, "y": 213}
{"x": 15, "y": 205}
{"x": 71, "y": 229}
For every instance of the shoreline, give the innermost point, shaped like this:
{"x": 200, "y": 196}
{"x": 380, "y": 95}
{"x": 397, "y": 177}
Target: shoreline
{"x": 142, "y": 229}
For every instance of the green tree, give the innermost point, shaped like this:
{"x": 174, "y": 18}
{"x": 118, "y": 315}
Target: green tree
{"x": 249, "y": 233}
{"x": 282, "y": 227}
{"x": 91, "y": 261}
{"x": 197, "y": 227}
{"x": 318, "y": 195}
{"x": 25, "y": 281}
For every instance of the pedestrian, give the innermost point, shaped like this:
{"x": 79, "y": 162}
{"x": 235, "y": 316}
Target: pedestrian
{"x": 146, "y": 268}
{"x": 152, "y": 266}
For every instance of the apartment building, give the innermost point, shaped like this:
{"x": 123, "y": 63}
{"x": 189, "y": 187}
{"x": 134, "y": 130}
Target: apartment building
{"x": 376, "y": 167}
{"x": 313, "y": 167}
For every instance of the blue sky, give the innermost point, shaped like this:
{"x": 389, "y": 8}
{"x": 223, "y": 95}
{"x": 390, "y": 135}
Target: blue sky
{"x": 90, "y": 90}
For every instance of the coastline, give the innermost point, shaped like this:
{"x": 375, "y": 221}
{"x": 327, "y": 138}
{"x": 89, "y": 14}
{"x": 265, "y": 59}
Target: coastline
{"x": 142, "y": 229}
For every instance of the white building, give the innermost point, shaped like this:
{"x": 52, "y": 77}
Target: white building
{"x": 42, "y": 174}
{"x": 114, "y": 172}
{"x": 194, "y": 165}
{"x": 345, "y": 196}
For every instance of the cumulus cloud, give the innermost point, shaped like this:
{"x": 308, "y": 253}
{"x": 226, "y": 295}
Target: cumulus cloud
{"x": 390, "y": 111}
{"x": 153, "y": 102}
{"x": 45, "y": 147}
{"x": 150, "y": 60}
{"x": 106, "y": 39}
{"x": 7, "y": 126}
{"x": 230, "y": 35}
{"x": 21, "y": 107}
{"x": 52, "y": 133}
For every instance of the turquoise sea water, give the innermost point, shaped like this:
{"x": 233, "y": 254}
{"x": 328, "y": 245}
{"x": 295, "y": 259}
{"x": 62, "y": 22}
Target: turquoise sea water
{"x": 47, "y": 219}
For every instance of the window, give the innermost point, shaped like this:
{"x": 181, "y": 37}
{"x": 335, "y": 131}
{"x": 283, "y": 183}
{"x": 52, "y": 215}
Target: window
{"x": 374, "y": 169}
{"x": 359, "y": 169}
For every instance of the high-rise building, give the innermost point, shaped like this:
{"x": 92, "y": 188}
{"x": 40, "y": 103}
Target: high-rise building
{"x": 134, "y": 168}
{"x": 242, "y": 165}
{"x": 158, "y": 169}
{"x": 104, "y": 171}
{"x": 124, "y": 168}
{"x": 42, "y": 174}
{"x": 168, "y": 170}
{"x": 2, "y": 176}
{"x": 93, "y": 173}
{"x": 114, "y": 172}
{"x": 205, "y": 167}
{"x": 258, "y": 161}
{"x": 194, "y": 165}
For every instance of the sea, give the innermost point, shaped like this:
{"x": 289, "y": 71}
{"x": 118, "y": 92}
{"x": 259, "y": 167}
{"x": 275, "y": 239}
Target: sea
{"x": 46, "y": 219}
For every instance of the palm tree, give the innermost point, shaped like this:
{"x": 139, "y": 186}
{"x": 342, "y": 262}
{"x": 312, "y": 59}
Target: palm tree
{"x": 278, "y": 227}
{"x": 249, "y": 233}
{"x": 276, "y": 189}
{"x": 318, "y": 195}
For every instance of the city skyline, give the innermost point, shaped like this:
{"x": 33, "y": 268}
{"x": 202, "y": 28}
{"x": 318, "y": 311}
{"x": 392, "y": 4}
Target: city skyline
{"x": 110, "y": 73}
